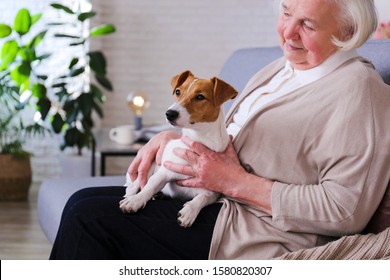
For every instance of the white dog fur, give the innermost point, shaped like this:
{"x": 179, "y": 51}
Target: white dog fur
{"x": 199, "y": 113}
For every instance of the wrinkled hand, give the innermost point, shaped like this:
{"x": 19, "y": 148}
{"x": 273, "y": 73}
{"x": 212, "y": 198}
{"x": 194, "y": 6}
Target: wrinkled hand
{"x": 217, "y": 172}
{"x": 149, "y": 153}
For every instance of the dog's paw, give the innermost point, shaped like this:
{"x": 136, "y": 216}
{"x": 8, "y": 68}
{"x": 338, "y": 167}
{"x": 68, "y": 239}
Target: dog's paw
{"x": 131, "y": 204}
{"x": 187, "y": 215}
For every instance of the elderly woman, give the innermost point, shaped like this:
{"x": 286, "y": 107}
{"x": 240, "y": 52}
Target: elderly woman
{"x": 308, "y": 161}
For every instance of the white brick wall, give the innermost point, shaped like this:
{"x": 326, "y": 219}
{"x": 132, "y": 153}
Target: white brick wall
{"x": 383, "y": 7}
{"x": 154, "y": 41}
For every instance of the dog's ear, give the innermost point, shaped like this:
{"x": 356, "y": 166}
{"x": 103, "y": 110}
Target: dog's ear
{"x": 178, "y": 80}
{"x": 222, "y": 91}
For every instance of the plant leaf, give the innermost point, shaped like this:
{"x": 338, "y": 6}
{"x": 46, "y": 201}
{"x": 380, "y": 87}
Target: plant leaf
{"x": 76, "y": 72}
{"x": 59, "y": 85}
{"x": 98, "y": 109}
{"x": 85, "y": 101}
{"x": 102, "y": 30}
{"x": 74, "y": 61}
{"x": 37, "y": 39}
{"x": 71, "y": 137}
{"x": 36, "y": 129}
{"x": 27, "y": 54}
{"x": 77, "y": 43}
{"x": 22, "y": 21}
{"x": 35, "y": 18}
{"x": 57, "y": 23}
{"x": 97, "y": 93}
{"x": 66, "y": 36}
{"x": 21, "y": 73}
{"x": 5, "y": 30}
{"x": 8, "y": 53}
{"x": 43, "y": 106}
{"x": 103, "y": 81}
{"x": 85, "y": 16}
{"x": 71, "y": 111}
{"x": 62, "y": 94}
{"x": 39, "y": 91}
{"x": 62, "y": 7}
{"x": 57, "y": 123}
{"x": 97, "y": 62}
{"x": 43, "y": 57}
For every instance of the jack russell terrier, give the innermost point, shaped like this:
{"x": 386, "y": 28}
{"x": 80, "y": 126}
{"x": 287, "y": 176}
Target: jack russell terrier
{"x": 198, "y": 112}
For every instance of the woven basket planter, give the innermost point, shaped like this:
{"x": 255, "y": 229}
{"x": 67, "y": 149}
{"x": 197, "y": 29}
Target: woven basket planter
{"x": 15, "y": 178}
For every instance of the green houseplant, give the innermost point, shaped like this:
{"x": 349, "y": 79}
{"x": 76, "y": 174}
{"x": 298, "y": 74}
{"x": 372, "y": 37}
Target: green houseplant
{"x": 20, "y": 84}
{"x": 76, "y": 106}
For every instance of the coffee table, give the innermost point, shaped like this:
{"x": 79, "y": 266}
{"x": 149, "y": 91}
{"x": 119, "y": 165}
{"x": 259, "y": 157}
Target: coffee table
{"x": 103, "y": 145}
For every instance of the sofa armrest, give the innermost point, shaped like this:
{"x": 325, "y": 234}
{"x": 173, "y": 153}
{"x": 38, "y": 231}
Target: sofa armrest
{"x": 54, "y": 193}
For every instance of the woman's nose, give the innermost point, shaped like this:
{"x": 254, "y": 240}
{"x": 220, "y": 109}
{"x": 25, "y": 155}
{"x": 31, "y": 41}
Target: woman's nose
{"x": 291, "y": 31}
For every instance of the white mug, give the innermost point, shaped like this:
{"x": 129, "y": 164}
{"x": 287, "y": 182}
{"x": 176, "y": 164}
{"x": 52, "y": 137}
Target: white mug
{"x": 123, "y": 134}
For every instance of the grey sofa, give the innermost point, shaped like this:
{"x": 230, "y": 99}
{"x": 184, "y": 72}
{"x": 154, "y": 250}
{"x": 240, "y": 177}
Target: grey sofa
{"x": 237, "y": 70}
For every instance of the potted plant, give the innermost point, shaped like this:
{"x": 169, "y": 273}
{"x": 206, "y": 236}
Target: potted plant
{"x": 77, "y": 92}
{"x": 74, "y": 107}
{"x": 20, "y": 83}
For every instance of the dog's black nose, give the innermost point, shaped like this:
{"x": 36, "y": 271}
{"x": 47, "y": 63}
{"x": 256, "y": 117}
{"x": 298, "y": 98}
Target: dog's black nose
{"x": 171, "y": 115}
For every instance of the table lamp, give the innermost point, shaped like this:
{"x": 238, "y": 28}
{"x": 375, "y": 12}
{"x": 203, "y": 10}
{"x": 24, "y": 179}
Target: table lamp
{"x": 138, "y": 102}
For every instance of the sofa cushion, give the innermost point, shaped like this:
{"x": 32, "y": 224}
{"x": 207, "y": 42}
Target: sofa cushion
{"x": 377, "y": 51}
{"x": 381, "y": 219}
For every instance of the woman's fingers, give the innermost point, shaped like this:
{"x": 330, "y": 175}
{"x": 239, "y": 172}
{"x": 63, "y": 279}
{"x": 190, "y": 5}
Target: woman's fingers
{"x": 151, "y": 152}
{"x": 179, "y": 168}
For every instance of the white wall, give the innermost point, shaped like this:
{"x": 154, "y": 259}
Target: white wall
{"x": 383, "y": 7}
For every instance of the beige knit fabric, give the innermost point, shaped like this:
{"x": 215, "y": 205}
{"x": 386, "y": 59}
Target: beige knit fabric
{"x": 354, "y": 247}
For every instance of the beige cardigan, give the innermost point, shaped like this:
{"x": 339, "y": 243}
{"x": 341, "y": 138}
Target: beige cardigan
{"x": 327, "y": 148}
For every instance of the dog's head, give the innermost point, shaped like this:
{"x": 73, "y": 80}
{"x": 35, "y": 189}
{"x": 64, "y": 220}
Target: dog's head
{"x": 197, "y": 100}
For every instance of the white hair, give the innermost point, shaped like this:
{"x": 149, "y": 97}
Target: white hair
{"x": 358, "y": 20}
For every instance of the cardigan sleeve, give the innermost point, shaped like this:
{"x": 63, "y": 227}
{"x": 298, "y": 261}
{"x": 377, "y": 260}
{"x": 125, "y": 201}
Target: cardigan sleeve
{"x": 350, "y": 155}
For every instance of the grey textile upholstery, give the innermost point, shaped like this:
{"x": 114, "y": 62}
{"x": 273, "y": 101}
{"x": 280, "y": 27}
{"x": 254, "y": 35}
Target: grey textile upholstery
{"x": 378, "y": 52}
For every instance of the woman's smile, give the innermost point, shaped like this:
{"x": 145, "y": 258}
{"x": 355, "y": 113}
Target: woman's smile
{"x": 291, "y": 47}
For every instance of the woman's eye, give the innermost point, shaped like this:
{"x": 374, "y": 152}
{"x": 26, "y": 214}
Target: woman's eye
{"x": 200, "y": 97}
{"x": 308, "y": 27}
{"x": 286, "y": 13}
{"x": 177, "y": 92}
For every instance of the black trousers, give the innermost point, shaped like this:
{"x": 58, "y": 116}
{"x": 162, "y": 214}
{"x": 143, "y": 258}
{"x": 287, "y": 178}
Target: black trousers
{"x": 93, "y": 227}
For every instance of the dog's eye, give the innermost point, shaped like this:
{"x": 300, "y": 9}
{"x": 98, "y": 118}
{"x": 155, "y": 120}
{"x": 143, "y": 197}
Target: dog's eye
{"x": 177, "y": 92}
{"x": 200, "y": 97}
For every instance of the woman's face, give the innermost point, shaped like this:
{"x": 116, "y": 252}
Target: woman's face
{"x": 306, "y": 29}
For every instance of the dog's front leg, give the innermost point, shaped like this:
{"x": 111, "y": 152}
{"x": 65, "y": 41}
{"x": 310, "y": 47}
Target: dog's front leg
{"x": 133, "y": 203}
{"x": 191, "y": 209}
{"x": 131, "y": 187}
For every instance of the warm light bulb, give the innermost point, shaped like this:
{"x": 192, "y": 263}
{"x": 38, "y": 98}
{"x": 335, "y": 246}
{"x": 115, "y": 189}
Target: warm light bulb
{"x": 138, "y": 102}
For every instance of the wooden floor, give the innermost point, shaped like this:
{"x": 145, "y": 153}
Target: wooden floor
{"x": 21, "y": 237}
